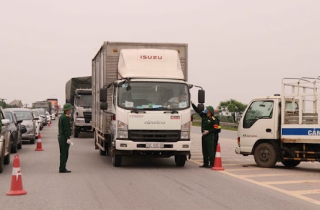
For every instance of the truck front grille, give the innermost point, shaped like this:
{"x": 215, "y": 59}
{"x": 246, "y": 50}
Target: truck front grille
{"x": 154, "y": 135}
{"x": 87, "y": 116}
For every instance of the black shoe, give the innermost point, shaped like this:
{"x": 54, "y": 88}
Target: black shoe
{"x": 209, "y": 166}
{"x": 64, "y": 171}
{"x": 203, "y": 166}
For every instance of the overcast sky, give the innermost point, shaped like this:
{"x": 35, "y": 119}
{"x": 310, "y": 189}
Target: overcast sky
{"x": 238, "y": 49}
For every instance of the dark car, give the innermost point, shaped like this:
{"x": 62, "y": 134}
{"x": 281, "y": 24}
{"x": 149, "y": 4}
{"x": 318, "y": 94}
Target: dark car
{"x": 5, "y": 141}
{"x": 16, "y": 130}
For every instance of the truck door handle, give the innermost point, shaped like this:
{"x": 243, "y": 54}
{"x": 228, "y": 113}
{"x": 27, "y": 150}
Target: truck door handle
{"x": 268, "y": 130}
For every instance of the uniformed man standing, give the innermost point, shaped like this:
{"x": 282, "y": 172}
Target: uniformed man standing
{"x": 208, "y": 129}
{"x": 64, "y": 137}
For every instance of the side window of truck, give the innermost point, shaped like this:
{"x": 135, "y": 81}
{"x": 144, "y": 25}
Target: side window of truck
{"x": 258, "y": 110}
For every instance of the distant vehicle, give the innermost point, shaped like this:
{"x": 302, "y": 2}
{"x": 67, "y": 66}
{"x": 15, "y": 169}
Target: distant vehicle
{"x": 37, "y": 122}
{"x": 48, "y": 117}
{"x": 43, "y": 105}
{"x": 36, "y": 114}
{"x": 55, "y": 105}
{"x": 43, "y": 116}
{"x": 5, "y": 141}
{"x": 53, "y": 116}
{"x": 79, "y": 95}
{"x": 27, "y": 120}
{"x": 15, "y": 129}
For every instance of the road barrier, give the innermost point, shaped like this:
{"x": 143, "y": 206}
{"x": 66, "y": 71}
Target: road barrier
{"x": 39, "y": 143}
{"x": 16, "y": 179}
{"x": 217, "y": 161}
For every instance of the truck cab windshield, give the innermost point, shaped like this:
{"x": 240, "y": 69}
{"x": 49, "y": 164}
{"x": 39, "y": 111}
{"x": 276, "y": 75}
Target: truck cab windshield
{"x": 84, "y": 100}
{"x": 154, "y": 96}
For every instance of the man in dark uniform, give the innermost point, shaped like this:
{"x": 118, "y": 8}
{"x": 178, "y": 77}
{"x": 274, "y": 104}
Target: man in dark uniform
{"x": 64, "y": 137}
{"x": 208, "y": 128}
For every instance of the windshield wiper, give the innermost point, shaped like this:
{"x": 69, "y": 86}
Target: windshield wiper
{"x": 137, "y": 111}
{"x": 172, "y": 111}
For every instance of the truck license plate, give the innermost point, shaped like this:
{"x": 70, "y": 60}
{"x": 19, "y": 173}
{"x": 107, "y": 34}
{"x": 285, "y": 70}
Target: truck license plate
{"x": 154, "y": 145}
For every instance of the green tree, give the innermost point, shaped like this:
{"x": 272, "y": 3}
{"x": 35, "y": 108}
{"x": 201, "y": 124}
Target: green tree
{"x": 232, "y": 106}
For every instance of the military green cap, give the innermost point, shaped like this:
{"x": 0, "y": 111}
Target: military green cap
{"x": 210, "y": 108}
{"x": 67, "y": 106}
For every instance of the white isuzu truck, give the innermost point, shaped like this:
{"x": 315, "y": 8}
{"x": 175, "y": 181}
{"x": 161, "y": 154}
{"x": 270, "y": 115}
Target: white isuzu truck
{"x": 283, "y": 128}
{"x": 141, "y": 100}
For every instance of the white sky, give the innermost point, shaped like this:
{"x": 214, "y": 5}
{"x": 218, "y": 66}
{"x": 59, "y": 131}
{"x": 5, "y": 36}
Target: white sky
{"x": 238, "y": 49}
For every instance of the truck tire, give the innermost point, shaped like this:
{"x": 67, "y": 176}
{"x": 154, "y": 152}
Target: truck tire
{"x": 265, "y": 155}
{"x": 20, "y": 145}
{"x": 7, "y": 159}
{"x": 180, "y": 160}
{"x": 76, "y": 132}
{"x": 290, "y": 163}
{"x": 32, "y": 141}
{"x": 14, "y": 148}
{"x": 2, "y": 159}
{"x": 116, "y": 160}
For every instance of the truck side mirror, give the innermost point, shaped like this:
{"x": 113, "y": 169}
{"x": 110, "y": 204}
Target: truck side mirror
{"x": 201, "y": 96}
{"x": 103, "y": 94}
{"x": 103, "y": 105}
{"x": 200, "y": 107}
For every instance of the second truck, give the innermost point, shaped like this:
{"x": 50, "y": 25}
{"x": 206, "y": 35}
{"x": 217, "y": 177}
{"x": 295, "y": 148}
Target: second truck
{"x": 141, "y": 100}
{"x": 79, "y": 95}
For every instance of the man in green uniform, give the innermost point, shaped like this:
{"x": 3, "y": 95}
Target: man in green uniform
{"x": 64, "y": 137}
{"x": 208, "y": 129}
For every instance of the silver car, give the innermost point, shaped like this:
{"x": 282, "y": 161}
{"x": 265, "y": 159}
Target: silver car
{"x": 28, "y": 121}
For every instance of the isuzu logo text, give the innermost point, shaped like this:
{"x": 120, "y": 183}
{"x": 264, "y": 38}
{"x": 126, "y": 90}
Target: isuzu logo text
{"x": 158, "y": 122}
{"x": 151, "y": 57}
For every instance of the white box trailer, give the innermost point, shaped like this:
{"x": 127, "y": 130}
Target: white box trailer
{"x": 139, "y": 74}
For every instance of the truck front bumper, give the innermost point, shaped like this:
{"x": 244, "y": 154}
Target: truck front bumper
{"x": 153, "y": 146}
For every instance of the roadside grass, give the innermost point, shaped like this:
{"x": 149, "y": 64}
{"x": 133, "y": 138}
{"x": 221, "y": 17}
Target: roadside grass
{"x": 197, "y": 120}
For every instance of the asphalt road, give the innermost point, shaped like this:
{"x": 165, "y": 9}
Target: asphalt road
{"x": 154, "y": 183}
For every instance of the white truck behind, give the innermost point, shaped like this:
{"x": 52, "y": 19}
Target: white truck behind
{"x": 283, "y": 128}
{"x": 141, "y": 100}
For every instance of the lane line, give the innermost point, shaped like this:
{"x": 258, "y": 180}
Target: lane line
{"x": 304, "y": 192}
{"x": 291, "y": 182}
{"x": 263, "y": 175}
{"x": 296, "y": 194}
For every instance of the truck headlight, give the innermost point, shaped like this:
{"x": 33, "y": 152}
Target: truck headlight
{"x": 122, "y": 130}
{"x": 185, "y": 131}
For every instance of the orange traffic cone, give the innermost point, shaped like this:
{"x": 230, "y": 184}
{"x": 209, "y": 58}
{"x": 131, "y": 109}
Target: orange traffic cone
{"x": 39, "y": 144}
{"x": 16, "y": 180}
{"x": 49, "y": 124}
{"x": 217, "y": 161}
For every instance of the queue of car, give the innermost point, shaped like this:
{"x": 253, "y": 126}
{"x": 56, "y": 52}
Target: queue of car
{"x": 18, "y": 125}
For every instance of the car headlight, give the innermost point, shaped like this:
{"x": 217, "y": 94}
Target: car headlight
{"x": 185, "y": 131}
{"x": 122, "y": 130}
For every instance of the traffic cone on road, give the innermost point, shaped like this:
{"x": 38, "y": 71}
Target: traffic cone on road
{"x": 16, "y": 180}
{"x": 217, "y": 161}
{"x": 39, "y": 143}
{"x": 49, "y": 124}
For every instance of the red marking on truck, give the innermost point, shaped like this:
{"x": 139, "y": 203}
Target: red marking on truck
{"x": 151, "y": 57}
{"x": 175, "y": 117}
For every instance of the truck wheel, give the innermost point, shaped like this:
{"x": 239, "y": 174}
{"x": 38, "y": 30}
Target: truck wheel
{"x": 116, "y": 160}
{"x": 14, "y": 148}
{"x": 290, "y": 163}
{"x": 265, "y": 155}
{"x": 76, "y": 133}
{"x": 180, "y": 160}
{"x": 20, "y": 145}
{"x": 32, "y": 141}
{"x": 2, "y": 160}
{"x": 7, "y": 159}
